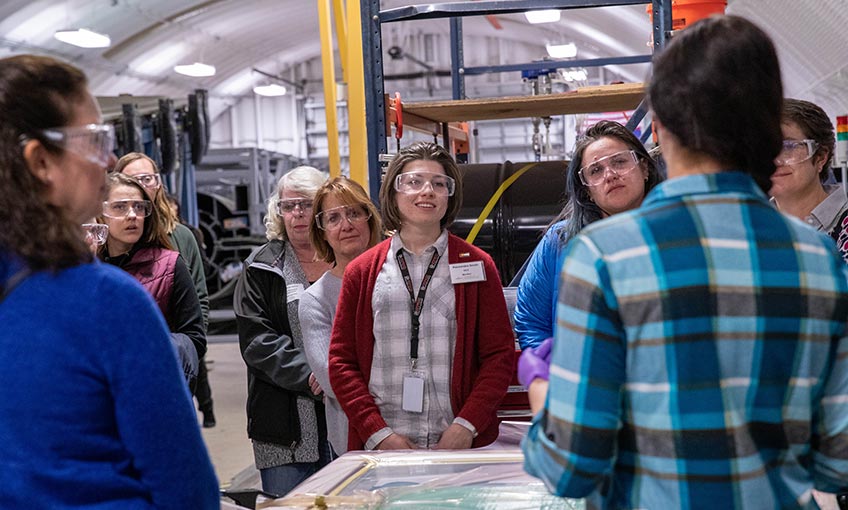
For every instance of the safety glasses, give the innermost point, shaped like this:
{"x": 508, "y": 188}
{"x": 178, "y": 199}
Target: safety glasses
{"x": 286, "y": 207}
{"x": 332, "y": 219}
{"x": 94, "y": 142}
{"x": 796, "y": 151}
{"x": 118, "y": 209}
{"x": 620, "y": 163}
{"x": 414, "y": 182}
{"x": 96, "y": 233}
{"x": 149, "y": 181}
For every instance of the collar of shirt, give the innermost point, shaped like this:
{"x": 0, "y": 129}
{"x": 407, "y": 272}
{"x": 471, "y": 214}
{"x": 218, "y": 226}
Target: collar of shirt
{"x": 702, "y": 184}
{"x": 826, "y": 214}
{"x": 441, "y": 244}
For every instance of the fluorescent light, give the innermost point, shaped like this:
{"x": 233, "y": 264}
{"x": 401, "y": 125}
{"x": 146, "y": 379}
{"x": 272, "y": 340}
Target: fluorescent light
{"x": 83, "y": 38}
{"x": 272, "y": 90}
{"x": 196, "y": 70}
{"x": 574, "y": 75}
{"x": 545, "y": 16}
{"x": 562, "y": 50}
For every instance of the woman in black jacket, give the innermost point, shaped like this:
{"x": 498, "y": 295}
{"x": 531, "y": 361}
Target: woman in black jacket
{"x": 285, "y": 416}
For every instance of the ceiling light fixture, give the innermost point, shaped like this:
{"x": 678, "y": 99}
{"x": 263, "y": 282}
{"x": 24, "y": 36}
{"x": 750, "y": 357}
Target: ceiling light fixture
{"x": 270, "y": 90}
{"x": 562, "y": 50}
{"x": 83, "y": 38}
{"x": 544, "y": 16}
{"x": 196, "y": 70}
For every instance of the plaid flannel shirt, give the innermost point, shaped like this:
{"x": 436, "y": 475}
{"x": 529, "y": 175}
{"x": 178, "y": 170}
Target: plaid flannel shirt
{"x": 701, "y": 357}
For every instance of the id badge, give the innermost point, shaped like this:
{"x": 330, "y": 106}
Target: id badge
{"x": 413, "y": 392}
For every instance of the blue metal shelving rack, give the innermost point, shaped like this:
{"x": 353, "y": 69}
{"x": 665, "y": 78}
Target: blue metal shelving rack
{"x": 372, "y": 47}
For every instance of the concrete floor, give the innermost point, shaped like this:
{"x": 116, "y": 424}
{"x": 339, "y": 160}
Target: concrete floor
{"x": 227, "y": 442}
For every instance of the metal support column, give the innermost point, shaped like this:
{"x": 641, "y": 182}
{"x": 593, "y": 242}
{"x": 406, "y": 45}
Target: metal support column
{"x": 662, "y": 23}
{"x": 360, "y": 88}
{"x": 374, "y": 137}
{"x": 328, "y": 65}
{"x": 341, "y": 34}
{"x": 457, "y": 60}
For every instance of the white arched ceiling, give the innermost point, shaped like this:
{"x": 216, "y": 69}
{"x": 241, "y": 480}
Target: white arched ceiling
{"x": 150, "y": 36}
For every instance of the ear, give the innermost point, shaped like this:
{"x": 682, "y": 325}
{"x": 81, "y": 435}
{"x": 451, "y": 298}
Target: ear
{"x": 38, "y": 160}
{"x": 820, "y": 158}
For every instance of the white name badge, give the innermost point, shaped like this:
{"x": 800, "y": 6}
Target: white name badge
{"x": 467, "y": 272}
{"x": 293, "y": 291}
{"x": 413, "y": 394}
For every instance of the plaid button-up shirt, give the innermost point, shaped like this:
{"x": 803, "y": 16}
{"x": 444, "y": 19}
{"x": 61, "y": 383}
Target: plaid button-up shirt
{"x": 701, "y": 357}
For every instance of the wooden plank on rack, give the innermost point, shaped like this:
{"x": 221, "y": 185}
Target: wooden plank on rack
{"x": 604, "y": 98}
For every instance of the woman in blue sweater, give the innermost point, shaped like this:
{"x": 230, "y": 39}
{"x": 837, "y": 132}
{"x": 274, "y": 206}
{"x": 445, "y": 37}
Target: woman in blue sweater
{"x": 600, "y": 182}
{"x": 90, "y": 415}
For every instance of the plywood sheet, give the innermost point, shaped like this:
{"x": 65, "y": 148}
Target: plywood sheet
{"x": 605, "y": 98}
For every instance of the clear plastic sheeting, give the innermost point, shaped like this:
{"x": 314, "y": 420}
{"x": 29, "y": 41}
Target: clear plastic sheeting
{"x": 468, "y": 479}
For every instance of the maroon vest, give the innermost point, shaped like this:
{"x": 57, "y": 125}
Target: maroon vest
{"x": 154, "y": 269}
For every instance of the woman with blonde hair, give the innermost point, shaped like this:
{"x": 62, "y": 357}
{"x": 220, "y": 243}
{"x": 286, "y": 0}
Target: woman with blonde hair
{"x": 284, "y": 409}
{"x": 346, "y": 224}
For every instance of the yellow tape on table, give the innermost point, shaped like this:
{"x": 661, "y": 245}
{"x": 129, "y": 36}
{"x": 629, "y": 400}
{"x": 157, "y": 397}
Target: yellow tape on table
{"x": 494, "y": 200}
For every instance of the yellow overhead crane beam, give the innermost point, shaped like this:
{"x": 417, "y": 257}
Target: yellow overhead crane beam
{"x": 348, "y": 20}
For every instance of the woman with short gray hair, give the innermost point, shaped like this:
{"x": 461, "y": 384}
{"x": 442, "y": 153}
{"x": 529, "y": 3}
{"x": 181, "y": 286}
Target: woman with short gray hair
{"x": 285, "y": 415}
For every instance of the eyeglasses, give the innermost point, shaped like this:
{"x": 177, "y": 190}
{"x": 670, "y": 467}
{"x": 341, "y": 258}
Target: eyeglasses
{"x": 150, "y": 181}
{"x": 96, "y": 233}
{"x": 94, "y": 142}
{"x": 796, "y": 151}
{"x": 620, "y": 163}
{"x": 118, "y": 209}
{"x": 414, "y": 182}
{"x": 332, "y": 219}
{"x": 286, "y": 207}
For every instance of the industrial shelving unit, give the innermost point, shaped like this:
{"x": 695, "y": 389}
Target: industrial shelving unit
{"x": 441, "y": 114}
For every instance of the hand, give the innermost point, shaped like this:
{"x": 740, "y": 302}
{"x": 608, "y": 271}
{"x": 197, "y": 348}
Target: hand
{"x": 536, "y": 394}
{"x": 396, "y": 442}
{"x": 534, "y": 363}
{"x": 455, "y": 437}
{"x": 313, "y": 385}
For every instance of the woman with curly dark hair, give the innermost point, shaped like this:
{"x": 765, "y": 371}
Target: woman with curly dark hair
{"x": 92, "y": 416}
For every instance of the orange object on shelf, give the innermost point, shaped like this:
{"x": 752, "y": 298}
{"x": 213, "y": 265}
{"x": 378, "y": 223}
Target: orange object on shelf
{"x": 686, "y": 12}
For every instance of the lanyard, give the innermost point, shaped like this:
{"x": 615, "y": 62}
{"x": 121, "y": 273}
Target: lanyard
{"x": 417, "y": 302}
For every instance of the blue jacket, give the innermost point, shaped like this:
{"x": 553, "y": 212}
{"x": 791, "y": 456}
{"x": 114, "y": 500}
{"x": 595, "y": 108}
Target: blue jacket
{"x": 535, "y": 307}
{"x": 94, "y": 411}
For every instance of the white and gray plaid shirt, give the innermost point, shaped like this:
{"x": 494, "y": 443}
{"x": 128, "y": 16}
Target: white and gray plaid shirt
{"x": 392, "y": 337}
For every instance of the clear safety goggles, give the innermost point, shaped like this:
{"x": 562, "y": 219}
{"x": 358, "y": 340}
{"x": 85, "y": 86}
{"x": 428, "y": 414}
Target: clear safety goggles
{"x": 286, "y": 207}
{"x": 796, "y": 151}
{"x": 620, "y": 163}
{"x": 118, "y": 209}
{"x": 94, "y": 142}
{"x": 96, "y": 233}
{"x": 414, "y": 182}
{"x": 150, "y": 181}
{"x": 331, "y": 219}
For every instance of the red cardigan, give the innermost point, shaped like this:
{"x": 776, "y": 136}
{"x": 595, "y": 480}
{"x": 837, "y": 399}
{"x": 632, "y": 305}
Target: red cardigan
{"x": 485, "y": 346}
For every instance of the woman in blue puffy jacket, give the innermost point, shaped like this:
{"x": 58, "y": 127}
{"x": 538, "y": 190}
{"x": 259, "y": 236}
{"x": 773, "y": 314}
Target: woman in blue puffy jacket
{"x": 600, "y": 182}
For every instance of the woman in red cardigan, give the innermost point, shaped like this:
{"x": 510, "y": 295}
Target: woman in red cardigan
{"x": 421, "y": 352}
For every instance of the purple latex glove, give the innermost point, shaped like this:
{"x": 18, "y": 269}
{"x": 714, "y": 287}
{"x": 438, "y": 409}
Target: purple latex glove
{"x": 535, "y": 362}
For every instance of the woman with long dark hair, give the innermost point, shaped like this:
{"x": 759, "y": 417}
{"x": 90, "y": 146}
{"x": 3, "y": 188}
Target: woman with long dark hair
{"x": 90, "y": 415}
{"x": 610, "y": 172}
{"x": 138, "y": 244}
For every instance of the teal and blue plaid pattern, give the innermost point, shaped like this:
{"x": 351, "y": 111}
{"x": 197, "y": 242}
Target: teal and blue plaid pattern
{"x": 701, "y": 357}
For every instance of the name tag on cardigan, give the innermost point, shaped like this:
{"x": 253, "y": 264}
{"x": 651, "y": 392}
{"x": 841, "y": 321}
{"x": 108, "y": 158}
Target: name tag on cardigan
{"x": 467, "y": 272}
{"x": 293, "y": 291}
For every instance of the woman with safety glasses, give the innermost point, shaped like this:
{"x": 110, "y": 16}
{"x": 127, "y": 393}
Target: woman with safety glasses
{"x": 285, "y": 415}
{"x": 610, "y": 172}
{"x": 797, "y": 185}
{"x": 138, "y": 244}
{"x": 346, "y": 224}
{"x": 143, "y": 169}
{"x": 89, "y": 415}
{"x": 422, "y": 348}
